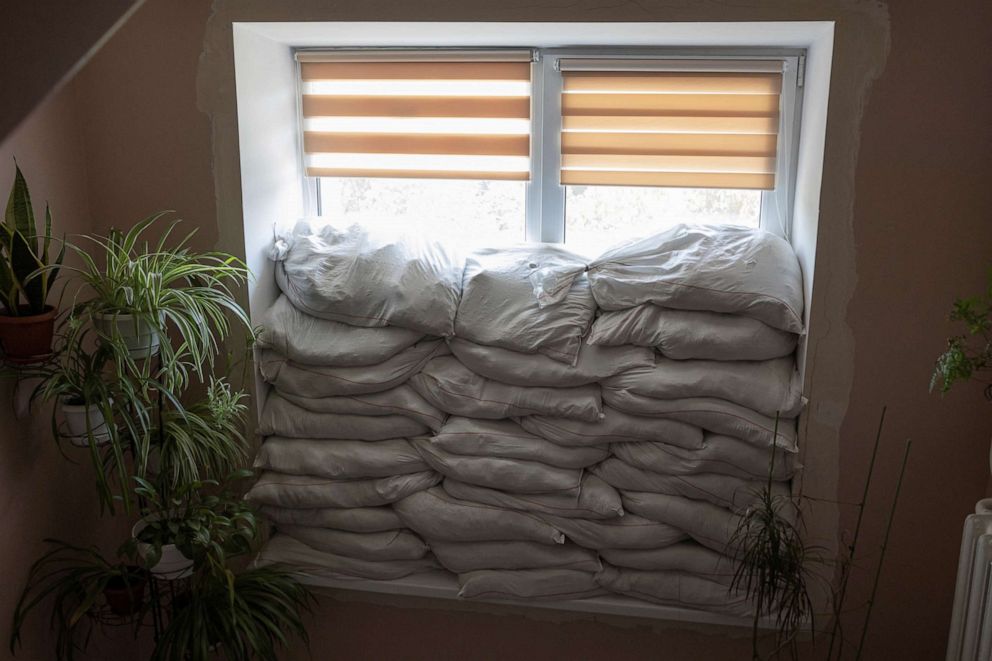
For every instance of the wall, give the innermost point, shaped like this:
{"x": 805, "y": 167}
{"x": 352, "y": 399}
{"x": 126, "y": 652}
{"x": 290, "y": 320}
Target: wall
{"x": 42, "y": 494}
{"x": 904, "y": 228}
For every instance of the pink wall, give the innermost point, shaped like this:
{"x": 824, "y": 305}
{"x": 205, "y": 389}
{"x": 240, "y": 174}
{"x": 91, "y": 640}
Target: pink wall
{"x": 42, "y": 494}
{"x": 921, "y": 236}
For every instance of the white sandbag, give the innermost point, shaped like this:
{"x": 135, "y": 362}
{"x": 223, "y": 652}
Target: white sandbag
{"x": 594, "y": 499}
{"x": 317, "y": 381}
{"x": 452, "y": 387}
{"x": 768, "y": 386}
{"x": 438, "y": 516}
{"x": 353, "y": 519}
{"x": 388, "y": 545}
{"x": 716, "y": 415}
{"x": 529, "y": 584}
{"x": 627, "y": 532}
{"x": 674, "y": 589}
{"x": 307, "y": 491}
{"x": 280, "y": 417}
{"x": 499, "y": 306}
{"x": 462, "y": 557}
{"x": 688, "y": 334}
{"x": 524, "y": 369}
{"x": 515, "y": 475}
{"x": 728, "y": 491}
{"x": 708, "y": 524}
{"x": 505, "y": 438}
{"x": 719, "y": 454}
{"x": 339, "y": 460}
{"x": 312, "y": 341}
{"x": 684, "y": 557}
{"x": 363, "y": 278}
{"x": 615, "y": 426}
{"x": 401, "y": 400}
{"x": 284, "y": 550}
{"x": 718, "y": 268}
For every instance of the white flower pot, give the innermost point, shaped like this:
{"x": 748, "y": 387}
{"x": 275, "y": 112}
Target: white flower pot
{"x": 76, "y": 427}
{"x": 141, "y": 340}
{"x": 172, "y": 564}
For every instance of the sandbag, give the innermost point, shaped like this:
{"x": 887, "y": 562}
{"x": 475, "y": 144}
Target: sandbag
{"x": 387, "y": 545}
{"x": 316, "y": 381}
{"x": 452, "y": 387}
{"x": 717, "y": 268}
{"x": 280, "y": 417}
{"x": 284, "y": 550}
{"x": 353, "y": 519}
{"x": 728, "y": 491}
{"x": 627, "y": 532}
{"x": 684, "y": 557}
{"x": 307, "y": 491}
{"x": 529, "y": 584}
{"x": 505, "y": 438}
{"x": 708, "y": 524}
{"x": 522, "y": 369}
{"x": 769, "y": 386}
{"x": 401, "y": 400}
{"x": 311, "y": 341}
{"x": 594, "y": 499}
{"x": 437, "y": 516}
{"x": 674, "y": 589}
{"x": 692, "y": 334}
{"x": 719, "y": 454}
{"x": 499, "y": 306}
{"x": 715, "y": 415}
{"x": 339, "y": 460}
{"x": 514, "y": 475}
{"x": 364, "y": 278}
{"x": 462, "y": 557}
{"x": 615, "y": 426}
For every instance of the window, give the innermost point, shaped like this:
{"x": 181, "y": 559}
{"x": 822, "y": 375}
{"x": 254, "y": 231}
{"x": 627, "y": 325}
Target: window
{"x": 573, "y": 146}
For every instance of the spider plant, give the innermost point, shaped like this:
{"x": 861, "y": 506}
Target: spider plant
{"x": 157, "y": 287}
{"x": 248, "y": 618}
{"x": 74, "y": 578}
{"x": 205, "y": 439}
{"x": 774, "y": 569}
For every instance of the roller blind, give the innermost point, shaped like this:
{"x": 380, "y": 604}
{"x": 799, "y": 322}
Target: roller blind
{"x": 443, "y": 115}
{"x": 679, "y": 123}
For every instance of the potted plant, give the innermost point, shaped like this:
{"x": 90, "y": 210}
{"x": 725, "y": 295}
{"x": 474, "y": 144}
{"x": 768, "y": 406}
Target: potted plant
{"x": 27, "y": 323}
{"x": 186, "y": 528}
{"x": 145, "y": 289}
{"x": 245, "y": 618}
{"x": 80, "y": 583}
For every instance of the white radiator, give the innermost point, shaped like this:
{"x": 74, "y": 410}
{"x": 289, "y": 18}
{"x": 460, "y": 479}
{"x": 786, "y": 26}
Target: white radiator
{"x": 971, "y": 620}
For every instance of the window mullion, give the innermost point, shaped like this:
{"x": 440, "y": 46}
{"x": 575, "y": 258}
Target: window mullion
{"x": 552, "y": 192}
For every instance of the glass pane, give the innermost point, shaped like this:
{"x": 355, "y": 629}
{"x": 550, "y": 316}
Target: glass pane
{"x": 599, "y": 217}
{"x": 470, "y": 213}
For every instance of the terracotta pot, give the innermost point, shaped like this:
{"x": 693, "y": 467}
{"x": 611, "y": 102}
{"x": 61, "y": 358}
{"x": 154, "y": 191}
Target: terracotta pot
{"x": 28, "y": 338}
{"x": 125, "y": 597}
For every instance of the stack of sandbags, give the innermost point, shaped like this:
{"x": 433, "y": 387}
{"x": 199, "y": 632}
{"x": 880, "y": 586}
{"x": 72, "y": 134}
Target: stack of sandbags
{"x": 723, "y": 308}
{"x": 357, "y": 319}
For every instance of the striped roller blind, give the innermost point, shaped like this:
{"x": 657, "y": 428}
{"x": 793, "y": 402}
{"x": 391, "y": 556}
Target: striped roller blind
{"x": 680, "y": 123}
{"x": 440, "y": 115}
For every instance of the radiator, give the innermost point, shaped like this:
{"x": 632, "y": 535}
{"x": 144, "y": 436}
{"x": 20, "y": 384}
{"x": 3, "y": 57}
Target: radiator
{"x": 971, "y": 620}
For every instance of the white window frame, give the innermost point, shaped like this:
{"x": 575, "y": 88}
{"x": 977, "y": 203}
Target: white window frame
{"x": 544, "y": 205}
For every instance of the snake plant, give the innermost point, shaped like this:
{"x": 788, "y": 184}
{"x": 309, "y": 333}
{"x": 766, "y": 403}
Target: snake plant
{"x": 26, "y": 275}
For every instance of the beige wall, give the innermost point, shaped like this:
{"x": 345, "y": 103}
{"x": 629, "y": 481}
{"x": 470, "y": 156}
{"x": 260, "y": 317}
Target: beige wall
{"x": 42, "y": 494}
{"x": 919, "y": 235}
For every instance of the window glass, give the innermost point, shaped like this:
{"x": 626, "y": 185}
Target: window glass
{"x": 467, "y": 212}
{"x": 597, "y": 217}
